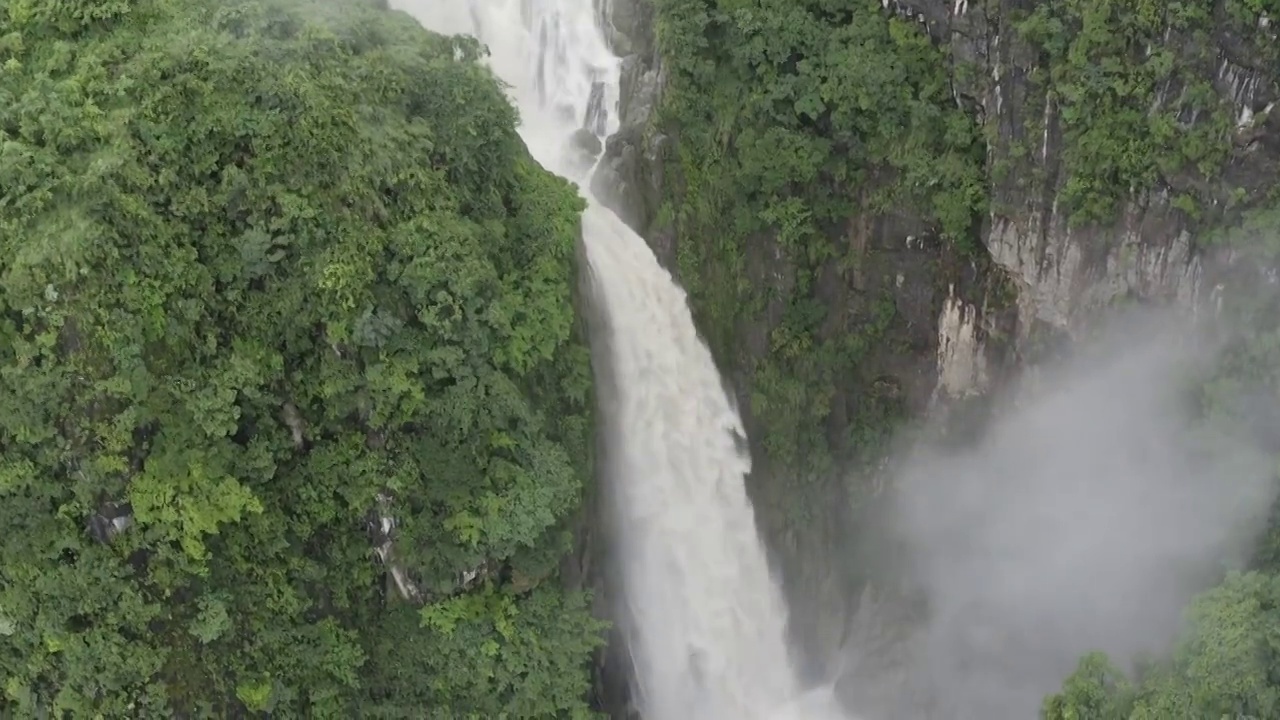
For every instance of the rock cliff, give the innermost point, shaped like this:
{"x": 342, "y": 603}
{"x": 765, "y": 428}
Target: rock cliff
{"x": 1114, "y": 141}
{"x": 1220, "y": 64}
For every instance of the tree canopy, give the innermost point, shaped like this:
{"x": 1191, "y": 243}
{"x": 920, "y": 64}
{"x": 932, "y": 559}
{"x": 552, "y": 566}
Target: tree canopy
{"x": 280, "y": 286}
{"x": 1228, "y": 665}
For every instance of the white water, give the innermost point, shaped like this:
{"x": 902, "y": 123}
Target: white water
{"x": 706, "y": 625}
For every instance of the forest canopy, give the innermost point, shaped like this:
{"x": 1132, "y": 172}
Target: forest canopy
{"x": 285, "y": 306}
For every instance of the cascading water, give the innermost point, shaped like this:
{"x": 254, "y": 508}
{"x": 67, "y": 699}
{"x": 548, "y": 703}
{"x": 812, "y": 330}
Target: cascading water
{"x": 705, "y": 623}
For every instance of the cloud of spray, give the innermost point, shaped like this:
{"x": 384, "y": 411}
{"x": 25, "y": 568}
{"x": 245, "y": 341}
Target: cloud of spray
{"x": 1090, "y": 513}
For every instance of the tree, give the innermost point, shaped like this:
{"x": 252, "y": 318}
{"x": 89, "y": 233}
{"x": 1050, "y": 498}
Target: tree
{"x": 271, "y": 272}
{"x": 1228, "y": 665}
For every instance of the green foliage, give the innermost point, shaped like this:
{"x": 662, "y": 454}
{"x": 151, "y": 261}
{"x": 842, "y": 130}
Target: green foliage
{"x": 260, "y": 263}
{"x": 1228, "y": 666}
{"x": 1131, "y": 83}
{"x": 795, "y": 120}
{"x": 1095, "y": 691}
{"x": 485, "y": 655}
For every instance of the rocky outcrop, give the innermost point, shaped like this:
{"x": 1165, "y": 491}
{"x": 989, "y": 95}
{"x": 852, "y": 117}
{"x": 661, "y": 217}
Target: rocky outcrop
{"x": 962, "y": 361}
{"x": 1065, "y": 271}
{"x": 629, "y": 179}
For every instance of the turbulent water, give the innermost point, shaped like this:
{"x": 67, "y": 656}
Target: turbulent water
{"x": 705, "y": 623}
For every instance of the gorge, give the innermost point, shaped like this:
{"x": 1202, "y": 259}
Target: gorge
{"x": 649, "y": 359}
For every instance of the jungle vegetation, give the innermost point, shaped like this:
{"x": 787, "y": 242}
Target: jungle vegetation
{"x": 285, "y": 305}
{"x": 272, "y": 272}
{"x": 793, "y": 120}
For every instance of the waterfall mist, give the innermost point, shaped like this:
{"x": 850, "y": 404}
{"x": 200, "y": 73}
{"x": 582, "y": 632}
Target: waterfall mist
{"x": 1085, "y": 518}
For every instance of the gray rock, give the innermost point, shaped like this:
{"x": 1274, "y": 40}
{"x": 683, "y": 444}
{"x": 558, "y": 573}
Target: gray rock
{"x": 586, "y": 141}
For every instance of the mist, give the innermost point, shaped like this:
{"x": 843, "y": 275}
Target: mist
{"x": 1086, "y": 517}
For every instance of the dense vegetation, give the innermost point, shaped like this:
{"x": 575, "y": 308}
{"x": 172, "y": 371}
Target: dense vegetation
{"x": 798, "y": 122}
{"x": 1132, "y": 84}
{"x": 795, "y": 119}
{"x": 268, "y": 271}
{"x": 271, "y": 270}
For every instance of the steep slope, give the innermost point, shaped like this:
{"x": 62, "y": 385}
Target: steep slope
{"x": 1118, "y": 135}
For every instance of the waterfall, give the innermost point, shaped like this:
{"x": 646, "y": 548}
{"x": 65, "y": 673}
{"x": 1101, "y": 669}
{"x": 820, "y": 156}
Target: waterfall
{"x": 705, "y": 622}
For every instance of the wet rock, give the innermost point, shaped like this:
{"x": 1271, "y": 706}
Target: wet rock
{"x": 587, "y": 143}
{"x": 597, "y": 116}
{"x": 629, "y": 179}
{"x": 628, "y": 25}
{"x": 111, "y": 519}
{"x": 583, "y": 149}
{"x": 639, "y": 85}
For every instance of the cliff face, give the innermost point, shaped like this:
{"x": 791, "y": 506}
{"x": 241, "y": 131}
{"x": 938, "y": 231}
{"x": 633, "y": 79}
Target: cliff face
{"x": 1063, "y": 270}
{"x": 1147, "y": 250}
{"x": 929, "y": 323}
{"x": 1182, "y": 98}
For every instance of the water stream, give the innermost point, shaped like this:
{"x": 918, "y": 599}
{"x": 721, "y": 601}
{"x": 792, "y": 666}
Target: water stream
{"x": 705, "y": 622}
